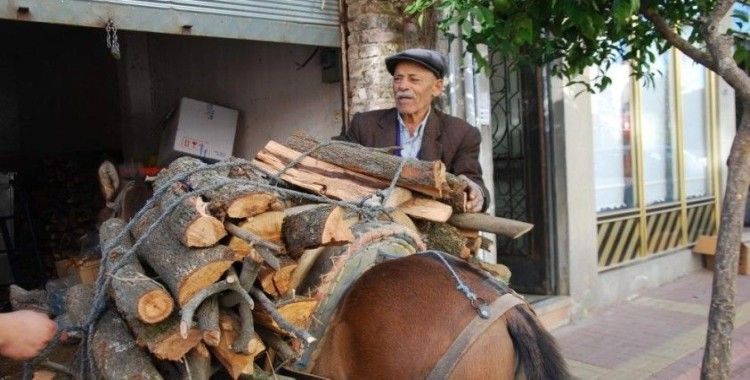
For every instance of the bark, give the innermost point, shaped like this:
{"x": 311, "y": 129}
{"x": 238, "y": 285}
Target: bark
{"x": 115, "y": 353}
{"x": 135, "y": 294}
{"x": 164, "y": 339}
{"x": 427, "y": 177}
{"x": 443, "y": 237}
{"x": 22, "y": 299}
{"x": 493, "y": 224}
{"x": 208, "y": 320}
{"x": 314, "y": 227}
{"x": 717, "y": 355}
{"x": 78, "y": 302}
{"x": 184, "y": 270}
{"x": 197, "y": 364}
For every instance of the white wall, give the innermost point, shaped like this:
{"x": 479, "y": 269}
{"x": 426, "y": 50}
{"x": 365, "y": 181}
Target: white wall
{"x": 262, "y": 80}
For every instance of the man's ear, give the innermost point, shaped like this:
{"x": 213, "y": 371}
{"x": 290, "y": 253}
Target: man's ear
{"x": 438, "y": 87}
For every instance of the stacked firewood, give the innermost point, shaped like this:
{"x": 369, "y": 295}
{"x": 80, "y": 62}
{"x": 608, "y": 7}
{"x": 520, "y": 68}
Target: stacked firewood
{"x": 235, "y": 260}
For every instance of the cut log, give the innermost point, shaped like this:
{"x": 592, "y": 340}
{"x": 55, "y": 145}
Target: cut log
{"x": 115, "y": 353}
{"x": 279, "y": 346}
{"x": 164, "y": 339}
{"x": 277, "y": 282}
{"x": 428, "y": 209}
{"x": 208, "y": 320}
{"x": 79, "y": 299}
{"x": 443, "y": 237}
{"x": 304, "y": 265}
{"x": 197, "y": 364}
{"x": 22, "y": 299}
{"x": 498, "y": 271}
{"x": 236, "y": 200}
{"x": 236, "y": 364}
{"x": 427, "y": 177}
{"x": 298, "y": 312}
{"x": 493, "y": 224}
{"x": 262, "y": 248}
{"x": 322, "y": 225}
{"x": 267, "y": 226}
{"x": 191, "y": 221}
{"x": 398, "y": 197}
{"x": 184, "y": 270}
{"x": 135, "y": 294}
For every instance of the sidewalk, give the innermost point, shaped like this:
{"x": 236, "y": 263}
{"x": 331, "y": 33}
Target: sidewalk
{"x": 659, "y": 334}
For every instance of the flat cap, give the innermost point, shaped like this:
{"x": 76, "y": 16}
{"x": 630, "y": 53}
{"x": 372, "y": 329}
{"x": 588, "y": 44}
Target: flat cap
{"x": 430, "y": 59}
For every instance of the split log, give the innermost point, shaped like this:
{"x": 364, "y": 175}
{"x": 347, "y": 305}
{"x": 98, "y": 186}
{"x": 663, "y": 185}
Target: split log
{"x": 398, "y": 196}
{"x": 263, "y": 248}
{"x": 235, "y": 200}
{"x": 493, "y": 224}
{"x": 191, "y": 221}
{"x": 428, "y": 209}
{"x": 426, "y": 177}
{"x": 315, "y": 175}
{"x": 315, "y": 227}
{"x": 135, "y": 294}
{"x": 279, "y": 319}
{"x": 236, "y": 364}
{"x": 277, "y": 282}
{"x": 115, "y": 353}
{"x": 298, "y": 312}
{"x": 266, "y": 226}
{"x": 184, "y": 270}
{"x": 443, "y": 237}
{"x": 498, "y": 271}
{"x": 208, "y": 320}
{"x": 22, "y": 299}
{"x": 304, "y": 265}
{"x": 164, "y": 339}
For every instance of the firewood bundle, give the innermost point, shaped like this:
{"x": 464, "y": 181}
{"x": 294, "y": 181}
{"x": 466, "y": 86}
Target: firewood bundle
{"x": 234, "y": 268}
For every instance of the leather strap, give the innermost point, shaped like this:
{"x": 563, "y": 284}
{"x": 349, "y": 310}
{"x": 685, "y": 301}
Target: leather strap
{"x": 447, "y": 363}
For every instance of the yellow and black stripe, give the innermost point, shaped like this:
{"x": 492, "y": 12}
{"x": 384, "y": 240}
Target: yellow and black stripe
{"x": 618, "y": 241}
{"x": 701, "y": 221}
{"x": 663, "y": 231}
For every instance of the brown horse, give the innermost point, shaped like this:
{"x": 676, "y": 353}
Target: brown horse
{"x": 400, "y": 318}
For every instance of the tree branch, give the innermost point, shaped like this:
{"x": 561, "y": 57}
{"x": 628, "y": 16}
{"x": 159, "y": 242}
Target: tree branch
{"x": 669, "y": 34}
{"x": 720, "y": 46}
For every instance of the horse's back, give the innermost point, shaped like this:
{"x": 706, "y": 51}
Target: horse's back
{"x": 399, "y": 319}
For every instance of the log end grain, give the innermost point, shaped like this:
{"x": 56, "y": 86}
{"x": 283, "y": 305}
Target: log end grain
{"x": 251, "y": 204}
{"x": 200, "y": 278}
{"x": 155, "y": 306}
{"x": 204, "y": 232}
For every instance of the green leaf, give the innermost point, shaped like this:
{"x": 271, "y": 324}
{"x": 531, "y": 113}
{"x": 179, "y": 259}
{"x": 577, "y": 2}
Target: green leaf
{"x": 623, "y": 9}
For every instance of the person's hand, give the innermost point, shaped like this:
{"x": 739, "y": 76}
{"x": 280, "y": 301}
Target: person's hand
{"x": 24, "y": 333}
{"x": 475, "y": 198}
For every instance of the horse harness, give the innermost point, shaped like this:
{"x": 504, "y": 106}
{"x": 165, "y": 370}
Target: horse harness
{"x": 487, "y": 314}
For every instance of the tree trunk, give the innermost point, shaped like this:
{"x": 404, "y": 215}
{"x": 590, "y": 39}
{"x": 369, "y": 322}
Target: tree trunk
{"x": 717, "y": 358}
{"x": 136, "y": 295}
{"x": 184, "y": 270}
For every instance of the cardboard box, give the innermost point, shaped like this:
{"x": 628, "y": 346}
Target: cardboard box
{"x": 198, "y": 129}
{"x": 706, "y": 246}
{"x": 86, "y": 271}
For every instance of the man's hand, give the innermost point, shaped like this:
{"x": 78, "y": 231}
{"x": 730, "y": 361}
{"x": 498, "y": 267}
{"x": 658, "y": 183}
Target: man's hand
{"x": 475, "y": 198}
{"x": 24, "y": 333}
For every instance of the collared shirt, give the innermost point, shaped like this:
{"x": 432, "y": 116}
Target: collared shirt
{"x": 410, "y": 145}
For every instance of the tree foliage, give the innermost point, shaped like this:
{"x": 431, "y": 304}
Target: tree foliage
{"x": 573, "y": 35}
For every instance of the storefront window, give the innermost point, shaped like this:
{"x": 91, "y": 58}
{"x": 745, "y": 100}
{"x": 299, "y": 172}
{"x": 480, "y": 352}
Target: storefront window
{"x": 659, "y": 160}
{"x": 694, "y": 121}
{"x": 613, "y": 169}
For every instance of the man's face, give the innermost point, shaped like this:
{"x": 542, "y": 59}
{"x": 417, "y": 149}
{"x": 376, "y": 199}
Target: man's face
{"x": 414, "y": 86}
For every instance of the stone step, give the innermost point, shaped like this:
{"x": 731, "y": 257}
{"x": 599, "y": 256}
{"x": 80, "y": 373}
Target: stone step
{"x": 553, "y": 311}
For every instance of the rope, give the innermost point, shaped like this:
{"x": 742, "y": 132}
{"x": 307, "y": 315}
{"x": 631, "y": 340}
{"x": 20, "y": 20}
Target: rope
{"x": 479, "y": 304}
{"x": 368, "y": 211}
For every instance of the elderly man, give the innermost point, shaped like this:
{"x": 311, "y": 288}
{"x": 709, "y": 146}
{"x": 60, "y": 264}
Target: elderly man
{"x": 421, "y": 131}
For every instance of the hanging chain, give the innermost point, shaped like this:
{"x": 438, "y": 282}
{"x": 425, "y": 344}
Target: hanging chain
{"x": 112, "y": 43}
